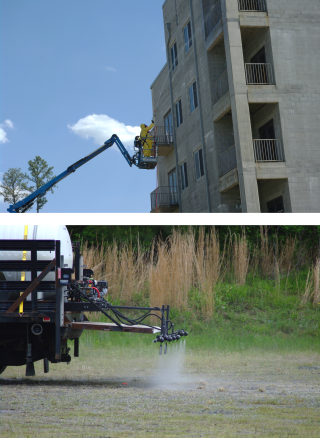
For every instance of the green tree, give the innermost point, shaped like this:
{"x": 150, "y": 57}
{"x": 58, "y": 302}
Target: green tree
{"x": 40, "y": 174}
{"x": 13, "y": 186}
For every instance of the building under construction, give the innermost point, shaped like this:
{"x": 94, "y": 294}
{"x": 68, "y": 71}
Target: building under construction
{"x": 240, "y": 100}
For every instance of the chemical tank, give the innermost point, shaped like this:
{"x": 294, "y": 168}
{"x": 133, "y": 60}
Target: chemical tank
{"x": 35, "y": 232}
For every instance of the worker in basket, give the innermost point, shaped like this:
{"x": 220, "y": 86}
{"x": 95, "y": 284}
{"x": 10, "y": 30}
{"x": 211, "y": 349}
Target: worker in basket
{"x": 146, "y": 139}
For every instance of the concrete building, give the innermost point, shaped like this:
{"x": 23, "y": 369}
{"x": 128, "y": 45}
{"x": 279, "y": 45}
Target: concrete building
{"x": 240, "y": 101}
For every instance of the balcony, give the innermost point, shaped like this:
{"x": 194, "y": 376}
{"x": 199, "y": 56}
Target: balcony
{"x": 164, "y": 199}
{"x": 163, "y": 138}
{"x": 228, "y": 160}
{"x": 212, "y": 19}
{"x": 252, "y": 5}
{"x": 220, "y": 87}
{"x": 267, "y": 151}
{"x": 259, "y": 74}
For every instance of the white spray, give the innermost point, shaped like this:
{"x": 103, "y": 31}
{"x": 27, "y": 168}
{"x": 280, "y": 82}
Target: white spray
{"x": 169, "y": 370}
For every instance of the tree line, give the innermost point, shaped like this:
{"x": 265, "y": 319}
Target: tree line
{"x": 16, "y": 185}
{"x": 101, "y": 234}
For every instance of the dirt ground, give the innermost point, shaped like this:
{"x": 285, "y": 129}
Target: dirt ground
{"x": 190, "y": 394}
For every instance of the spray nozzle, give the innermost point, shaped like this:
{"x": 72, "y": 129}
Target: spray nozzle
{"x": 182, "y": 333}
{"x": 173, "y": 337}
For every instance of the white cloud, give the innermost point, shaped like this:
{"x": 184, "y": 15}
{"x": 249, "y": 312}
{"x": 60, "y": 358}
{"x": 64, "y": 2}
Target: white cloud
{"x": 3, "y": 135}
{"x": 101, "y": 127}
{"x": 8, "y": 124}
{"x": 110, "y": 69}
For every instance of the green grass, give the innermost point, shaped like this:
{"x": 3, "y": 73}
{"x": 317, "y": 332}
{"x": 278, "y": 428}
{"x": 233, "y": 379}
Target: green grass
{"x": 246, "y": 371}
{"x": 255, "y": 316}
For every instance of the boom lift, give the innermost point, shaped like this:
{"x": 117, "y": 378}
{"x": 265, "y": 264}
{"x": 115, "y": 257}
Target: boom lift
{"x": 138, "y": 159}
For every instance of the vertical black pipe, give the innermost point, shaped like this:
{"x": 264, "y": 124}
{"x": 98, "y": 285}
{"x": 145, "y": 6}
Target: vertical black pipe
{"x": 76, "y": 347}
{"x": 163, "y": 322}
{"x": 77, "y": 261}
{"x": 58, "y": 303}
{"x": 45, "y": 365}
{"x": 34, "y": 274}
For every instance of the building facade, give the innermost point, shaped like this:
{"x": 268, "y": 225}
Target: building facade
{"x": 240, "y": 98}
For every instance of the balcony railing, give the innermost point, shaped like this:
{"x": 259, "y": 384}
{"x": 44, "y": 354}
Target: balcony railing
{"x": 267, "y": 150}
{"x": 162, "y": 134}
{"x": 228, "y": 160}
{"x": 259, "y": 74}
{"x": 212, "y": 18}
{"x": 252, "y": 5}
{"x": 164, "y": 196}
{"x": 220, "y": 87}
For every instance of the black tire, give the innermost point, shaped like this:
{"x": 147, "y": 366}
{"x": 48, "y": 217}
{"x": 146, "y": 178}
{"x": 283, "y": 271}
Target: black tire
{"x": 2, "y": 368}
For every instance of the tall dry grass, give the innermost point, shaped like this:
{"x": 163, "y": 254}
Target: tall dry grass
{"x": 171, "y": 270}
{"x": 316, "y": 283}
{"x": 185, "y": 266}
{"x": 312, "y": 287}
{"x": 173, "y": 267}
{"x": 266, "y": 253}
{"x": 241, "y": 257}
{"x": 124, "y": 268}
{"x": 208, "y": 263}
{"x": 181, "y": 264}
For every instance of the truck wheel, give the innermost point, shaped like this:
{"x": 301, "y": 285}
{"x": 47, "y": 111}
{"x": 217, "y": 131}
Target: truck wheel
{"x": 2, "y": 368}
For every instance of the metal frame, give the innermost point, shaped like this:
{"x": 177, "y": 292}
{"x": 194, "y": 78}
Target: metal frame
{"x": 252, "y": 5}
{"x": 163, "y": 195}
{"x": 35, "y": 311}
{"x": 268, "y": 150}
{"x": 259, "y": 74}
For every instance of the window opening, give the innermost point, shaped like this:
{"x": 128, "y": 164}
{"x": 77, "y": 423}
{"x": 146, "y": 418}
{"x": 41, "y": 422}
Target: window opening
{"x": 187, "y": 36}
{"x": 193, "y": 96}
{"x": 184, "y": 175}
{"x": 259, "y": 57}
{"x": 199, "y": 164}
{"x": 266, "y": 132}
{"x": 179, "y": 113}
{"x": 173, "y": 187}
{"x": 268, "y": 147}
{"x": 276, "y": 205}
{"x": 168, "y": 128}
{"x": 174, "y": 56}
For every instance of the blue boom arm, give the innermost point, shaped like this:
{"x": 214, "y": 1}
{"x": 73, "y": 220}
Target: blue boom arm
{"x": 24, "y": 204}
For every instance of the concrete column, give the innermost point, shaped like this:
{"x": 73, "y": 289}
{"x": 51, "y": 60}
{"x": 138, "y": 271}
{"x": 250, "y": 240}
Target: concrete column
{"x": 240, "y": 107}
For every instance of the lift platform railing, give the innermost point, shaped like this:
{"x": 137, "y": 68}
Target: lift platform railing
{"x": 148, "y": 147}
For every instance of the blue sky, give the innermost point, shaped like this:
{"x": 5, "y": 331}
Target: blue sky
{"x": 76, "y": 68}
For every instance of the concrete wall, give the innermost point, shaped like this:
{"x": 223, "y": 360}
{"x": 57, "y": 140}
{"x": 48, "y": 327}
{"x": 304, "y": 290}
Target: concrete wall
{"x": 292, "y": 43}
{"x": 295, "y": 39}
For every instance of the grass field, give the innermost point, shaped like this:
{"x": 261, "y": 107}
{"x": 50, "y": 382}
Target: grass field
{"x": 218, "y": 385}
{"x": 250, "y": 366}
